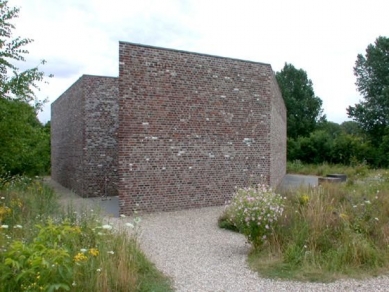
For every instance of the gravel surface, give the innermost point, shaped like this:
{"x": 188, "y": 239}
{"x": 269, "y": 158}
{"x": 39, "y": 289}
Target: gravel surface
{"x": 189, "y": 247}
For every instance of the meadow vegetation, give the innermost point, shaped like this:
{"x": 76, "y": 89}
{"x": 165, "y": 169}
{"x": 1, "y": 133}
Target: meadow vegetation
{"x": 324, "y": 233}
{"x": 46, "y": 248}
{"x": 354, "y": 171}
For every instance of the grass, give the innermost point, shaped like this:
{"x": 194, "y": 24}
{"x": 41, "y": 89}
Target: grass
{"x": 46, "y": 248}
{"x": 353, "y": 172}
{"x": 329, "y": 232}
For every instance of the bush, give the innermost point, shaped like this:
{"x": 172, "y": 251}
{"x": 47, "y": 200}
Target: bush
{"x": 334, "y": 228}
{"x": 254, "y": 212}
{"x": 324, "y": 233}
{"x": 45, "y": 248}
{"x": 330, "y": 231}
{"x": 25, "y": 142}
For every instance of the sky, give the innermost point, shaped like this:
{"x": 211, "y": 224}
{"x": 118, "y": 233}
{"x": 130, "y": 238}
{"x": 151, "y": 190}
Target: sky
{"x": 322, "y": 37}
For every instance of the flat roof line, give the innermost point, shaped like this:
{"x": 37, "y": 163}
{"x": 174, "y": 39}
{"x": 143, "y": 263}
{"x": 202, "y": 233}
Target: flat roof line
{"x": 189, "y": 52}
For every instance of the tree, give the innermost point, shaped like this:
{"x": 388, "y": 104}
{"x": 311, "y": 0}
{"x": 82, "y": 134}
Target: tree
{"x": 333, "y": 129}
{"x": 372, "y": 73}
{"x": 24, "y": 142}
{"x": 351, "y": 128}
{"x": 14, "y": 83}
{"x": 303, "y": 107}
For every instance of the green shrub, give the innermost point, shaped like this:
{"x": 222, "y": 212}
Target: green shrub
{"x": 325, "y": 232}
{"x": 25, "y": 142}
{"x": 45, "y": 248}
{"x": 254, "y": 211}
{"x": 330, "y": 231}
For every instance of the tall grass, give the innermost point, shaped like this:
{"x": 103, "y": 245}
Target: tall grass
{"x": 46, "y": 248}
{"x": 330, "y": 231}
{"x": 354, "y": 171}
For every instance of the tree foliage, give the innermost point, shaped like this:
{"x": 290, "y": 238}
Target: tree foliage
{"x": 14, "y": 83}
{"x": 24, "y": 142}
{"x": 363, "y": 140}
{"x": 372, "y": 73}
{"x": 304, "y": 109}
{"x": 325, "y": 145}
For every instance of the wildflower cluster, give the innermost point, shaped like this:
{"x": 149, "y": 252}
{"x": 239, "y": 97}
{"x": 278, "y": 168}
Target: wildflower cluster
{"x": 254, "y": 212}
{"x": 4, "y": 212}
{"x": 80, "y": 257}
{"x": 303, "y": 199}
{"x": 134, "y": 224}
{"x": 45, "y": 249}
{"x": 52, "y": 251}
{"x": 94, "y": 252}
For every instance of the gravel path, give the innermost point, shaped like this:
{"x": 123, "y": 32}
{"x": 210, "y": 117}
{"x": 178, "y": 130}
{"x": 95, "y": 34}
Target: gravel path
{"x": 189, "y": 247}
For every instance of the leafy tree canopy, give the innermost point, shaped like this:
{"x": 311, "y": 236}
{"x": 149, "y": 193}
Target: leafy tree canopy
{"x": 351, "y": 128}
{"x": 304, "y": 108}
{"x": 24, "y": 142}
{"x": 15, "y": 83}
{"x": 372, "y": 73}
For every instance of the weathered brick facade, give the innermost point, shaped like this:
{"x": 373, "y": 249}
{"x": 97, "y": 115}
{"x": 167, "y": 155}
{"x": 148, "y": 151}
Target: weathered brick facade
{"x": 191, "y": 129}
{"x": 84, "y": 122}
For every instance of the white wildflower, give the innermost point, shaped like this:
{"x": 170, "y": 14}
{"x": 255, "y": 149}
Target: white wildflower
{"x": 130, "y": 225}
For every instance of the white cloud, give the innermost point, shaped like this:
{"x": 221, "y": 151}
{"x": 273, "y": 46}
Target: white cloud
{"x": 321, "y": 37}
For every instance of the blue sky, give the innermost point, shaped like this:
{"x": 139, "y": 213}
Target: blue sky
{"x": 321, "y": 37}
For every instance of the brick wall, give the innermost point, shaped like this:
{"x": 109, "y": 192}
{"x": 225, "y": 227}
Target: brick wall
{"x": 100, "y": 146}
{"x": 67, "y": 137}
{"x": 176, "y": 130}
{"x": 84, "y": 145}
{"x": 194, "y": 127}
{"x": 277, "y": 135}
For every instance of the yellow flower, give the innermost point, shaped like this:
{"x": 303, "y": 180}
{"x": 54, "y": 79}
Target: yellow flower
{"x": 16, "y": 203}
{"x": 5, "y": 210}
{"x": 94, "y": 252}
{"x": 80, "y": 257}
{"x": 343, "y": 216}
{"x": 303, "y": 199}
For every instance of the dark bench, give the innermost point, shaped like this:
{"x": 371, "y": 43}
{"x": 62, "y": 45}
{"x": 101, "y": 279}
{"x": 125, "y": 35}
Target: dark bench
{"x": 332, "y": 178}
{"x": 342, "y": 177}
{"x": 326, "y": 179}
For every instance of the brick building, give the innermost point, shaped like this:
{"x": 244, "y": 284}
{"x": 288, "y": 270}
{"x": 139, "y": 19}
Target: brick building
{"x": 175, "y": 130}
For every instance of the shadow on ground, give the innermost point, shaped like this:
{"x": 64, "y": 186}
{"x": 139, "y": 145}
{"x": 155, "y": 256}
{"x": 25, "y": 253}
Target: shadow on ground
{"x": 110, "y": 205}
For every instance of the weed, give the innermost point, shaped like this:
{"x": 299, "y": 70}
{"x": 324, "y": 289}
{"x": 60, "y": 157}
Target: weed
{"x": 330, "y": 231}
{"x": 45, "y": 248}
{"x": 254, "y": 212}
